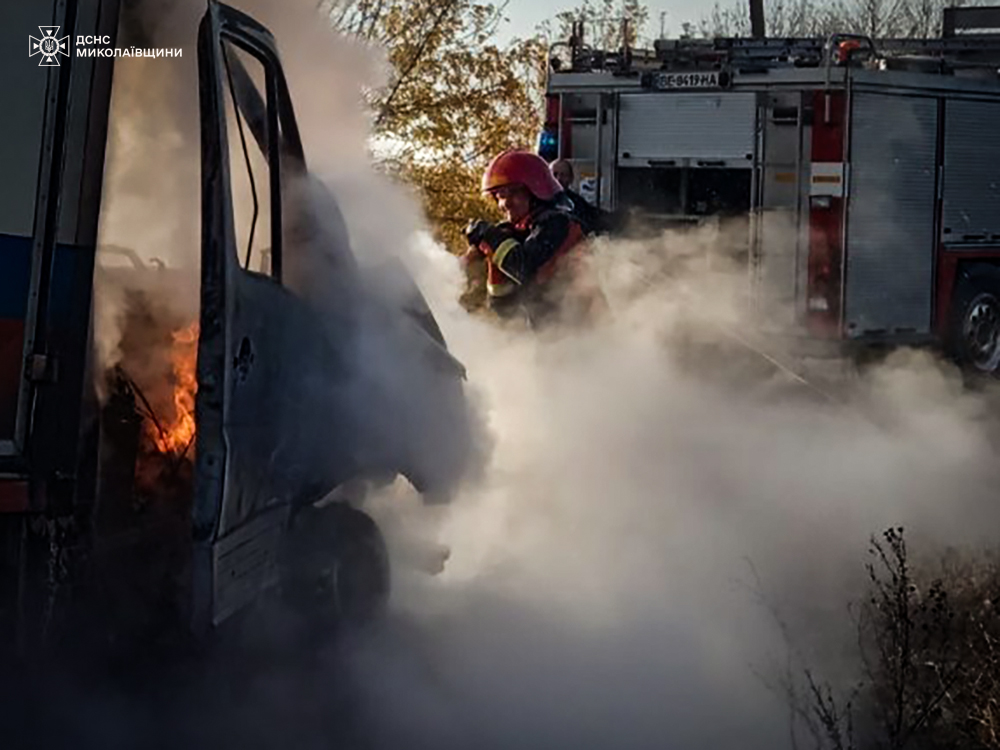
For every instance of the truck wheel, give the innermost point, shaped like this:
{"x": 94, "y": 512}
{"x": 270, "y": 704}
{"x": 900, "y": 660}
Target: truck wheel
{"x": 975, "y": 330}
{"x": 337, "y": 569}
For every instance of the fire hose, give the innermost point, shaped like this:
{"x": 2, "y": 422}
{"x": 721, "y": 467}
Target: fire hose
{"x": 694, "y": 301}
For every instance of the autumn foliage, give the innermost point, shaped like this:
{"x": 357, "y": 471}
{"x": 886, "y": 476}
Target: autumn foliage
{"x": 455, "y": 97}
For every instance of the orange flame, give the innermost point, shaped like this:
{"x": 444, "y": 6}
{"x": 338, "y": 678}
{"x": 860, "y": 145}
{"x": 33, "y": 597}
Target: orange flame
{"x": 177, "y": 434}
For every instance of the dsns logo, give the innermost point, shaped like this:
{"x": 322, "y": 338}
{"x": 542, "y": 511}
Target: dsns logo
{"x": 48, "y": 46}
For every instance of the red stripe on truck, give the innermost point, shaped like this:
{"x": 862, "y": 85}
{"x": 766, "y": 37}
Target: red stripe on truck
{"x": 11, "y": 356}
{"x": 825, "y": 257}
{"x": 828, "y": 126}
{"x": 826, "y": 221}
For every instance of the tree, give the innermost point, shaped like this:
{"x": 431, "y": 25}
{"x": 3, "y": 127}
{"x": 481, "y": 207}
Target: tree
{"x": 876, "y": 18}
{"x": 603, "y": 22}
{"x": 782, "y": 18}
{"x": 453, "y": 100}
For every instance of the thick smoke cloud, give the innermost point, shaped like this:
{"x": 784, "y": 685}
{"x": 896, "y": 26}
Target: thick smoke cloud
{"x": 601, "y": 585}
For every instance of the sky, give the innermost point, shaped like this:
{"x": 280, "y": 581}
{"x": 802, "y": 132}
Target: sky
{"x": 524, "y": 15}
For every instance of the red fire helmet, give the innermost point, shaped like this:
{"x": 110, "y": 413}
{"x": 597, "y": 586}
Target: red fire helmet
{"x": 521, "y": 168}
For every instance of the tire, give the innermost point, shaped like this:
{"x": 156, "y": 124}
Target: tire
{"x": 974, "y": 336}
{"x": 336, "y": 570}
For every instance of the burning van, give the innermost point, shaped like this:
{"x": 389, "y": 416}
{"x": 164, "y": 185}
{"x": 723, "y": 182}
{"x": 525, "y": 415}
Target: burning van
{"x": 215, "y": 457}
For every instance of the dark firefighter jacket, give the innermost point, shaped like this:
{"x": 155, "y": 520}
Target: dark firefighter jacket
{"x": 594, "y": 220}
{"x": 534, "y": 269}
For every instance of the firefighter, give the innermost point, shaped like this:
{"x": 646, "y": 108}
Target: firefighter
{"x": 593, "y": 219}
{"x": 533, "y": 264}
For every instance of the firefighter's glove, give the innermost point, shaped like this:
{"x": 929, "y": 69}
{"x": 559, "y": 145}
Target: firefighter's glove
{"x": 488, "y": 237}
{"x": 476, "y": 230}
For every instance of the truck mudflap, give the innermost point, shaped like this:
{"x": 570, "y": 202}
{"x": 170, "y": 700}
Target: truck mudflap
{"x": 286, "y": 408}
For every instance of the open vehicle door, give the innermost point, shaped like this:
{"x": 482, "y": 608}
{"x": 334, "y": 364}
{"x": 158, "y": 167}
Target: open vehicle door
{"x": 270, "y": 416}
{"x": 310, "y": 373}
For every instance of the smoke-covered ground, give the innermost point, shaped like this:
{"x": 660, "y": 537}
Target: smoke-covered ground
{"x": 605, "y": 578}
{"x": 602, "y": 589}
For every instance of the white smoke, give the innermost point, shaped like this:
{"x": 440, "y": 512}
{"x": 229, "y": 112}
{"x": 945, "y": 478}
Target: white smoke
{"x": 597, "y": 591}
{"x": 594, "y": 593}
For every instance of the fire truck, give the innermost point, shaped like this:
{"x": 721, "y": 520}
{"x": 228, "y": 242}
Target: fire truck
{"x": 866, "y": 172}
{"x": 217, "y": 462}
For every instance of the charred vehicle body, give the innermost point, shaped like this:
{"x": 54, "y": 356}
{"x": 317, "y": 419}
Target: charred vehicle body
{"x": 127, "y": 516}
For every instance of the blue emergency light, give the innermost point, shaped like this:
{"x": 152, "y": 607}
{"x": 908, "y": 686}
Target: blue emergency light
{"x": 548, "y": 144}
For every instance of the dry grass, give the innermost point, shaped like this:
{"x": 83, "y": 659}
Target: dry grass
{"x": 928, "y": 673}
